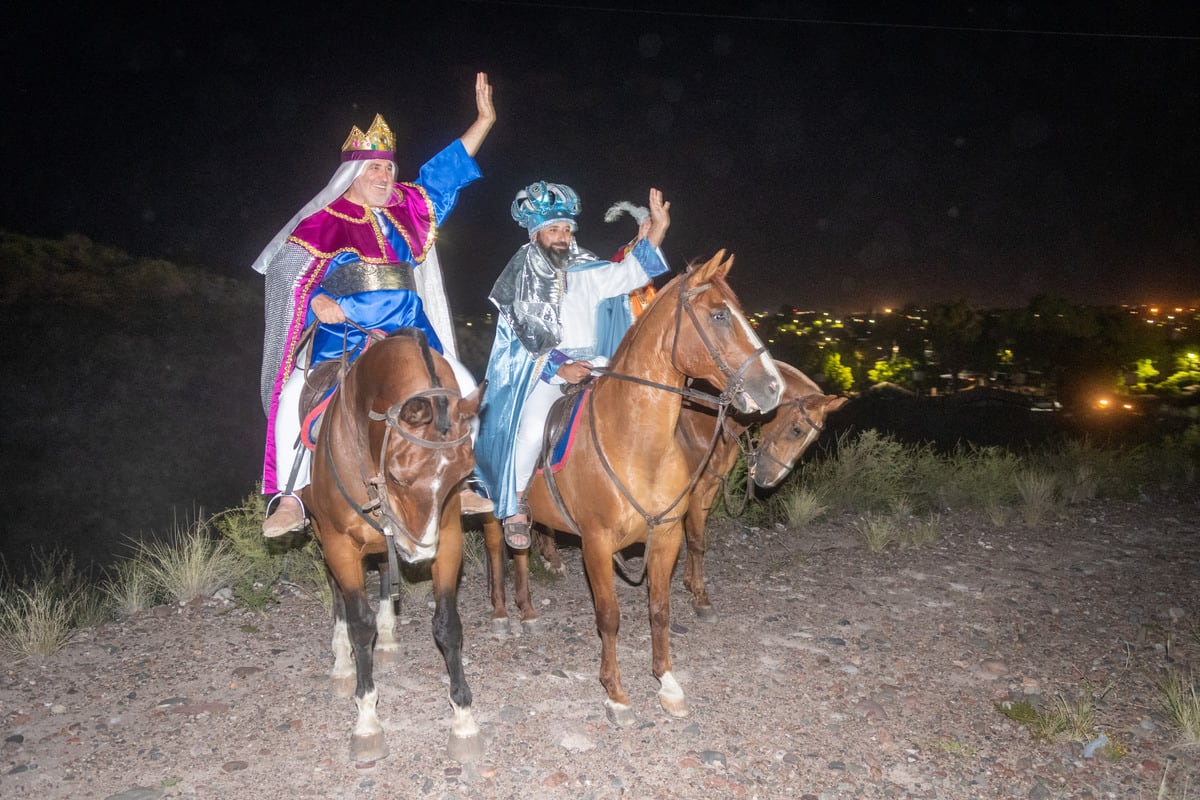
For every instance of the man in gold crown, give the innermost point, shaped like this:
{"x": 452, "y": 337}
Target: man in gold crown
{"x": 360, "y": 255}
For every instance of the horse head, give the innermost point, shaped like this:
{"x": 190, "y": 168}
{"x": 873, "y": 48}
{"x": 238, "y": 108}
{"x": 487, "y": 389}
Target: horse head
{"x": 791, "y": 428}
{"x": 715, "y": 342}
{"x": 417, "y": 447}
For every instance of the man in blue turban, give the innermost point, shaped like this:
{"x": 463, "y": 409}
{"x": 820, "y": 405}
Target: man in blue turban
{"x": 546, "y": 335}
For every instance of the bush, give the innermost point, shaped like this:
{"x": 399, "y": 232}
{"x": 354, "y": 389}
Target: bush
{"x": 41, "y": 610}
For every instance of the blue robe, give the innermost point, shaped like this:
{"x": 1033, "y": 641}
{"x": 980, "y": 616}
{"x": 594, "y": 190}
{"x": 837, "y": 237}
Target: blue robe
{"x": 442, "y": 177}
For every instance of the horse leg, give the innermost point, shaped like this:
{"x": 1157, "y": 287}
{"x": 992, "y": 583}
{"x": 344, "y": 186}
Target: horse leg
{"x": 548, "y": 548}
{"x": 599, "y": 567}
{"x": 354, "y": 625}
{"x": 660, "y": 563}
{"x": 466, "y": 744}
{"x": 531, "y": 623}
{"x": 694, "y": 524}
{"x": 493, "y": 542}
{"x": 387, "y": 648}
{"x": 366, "y": 741}
{"x": 342, "y": 673}
{"x": 494, "y": 545}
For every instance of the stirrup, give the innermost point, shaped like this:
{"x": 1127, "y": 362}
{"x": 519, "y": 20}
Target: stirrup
{"x": 275, "y": 500}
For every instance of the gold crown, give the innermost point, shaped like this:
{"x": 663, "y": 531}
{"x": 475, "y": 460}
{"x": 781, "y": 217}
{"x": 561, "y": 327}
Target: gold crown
{"x": 378, "y": 137}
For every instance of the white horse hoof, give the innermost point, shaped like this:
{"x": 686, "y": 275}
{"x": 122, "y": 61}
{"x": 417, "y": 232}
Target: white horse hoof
{"x": 619, "y": 714}
{"x": 670, "y": 696}
{"x": 533, "y": 626}
{"x": 500, "y": 626}
{"x": 676, "y": 707}
{"x": 344, "y": 685}
{"x": 367, "y": 747}
{"x": 465, "y": 749}
{"x": 387, "y": 655}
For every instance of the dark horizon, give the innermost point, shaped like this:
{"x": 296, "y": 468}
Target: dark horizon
{"x": 851, "y": 157}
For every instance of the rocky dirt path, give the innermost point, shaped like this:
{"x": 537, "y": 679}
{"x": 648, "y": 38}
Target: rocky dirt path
{"x": 832, "y": 673}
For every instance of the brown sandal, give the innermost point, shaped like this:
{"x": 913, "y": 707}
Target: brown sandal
{"x": 517, "y": 533}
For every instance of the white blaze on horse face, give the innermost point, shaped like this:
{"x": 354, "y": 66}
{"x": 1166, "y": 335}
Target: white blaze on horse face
{"x": 426, "y": 544}
{"x": 764, "y": 359}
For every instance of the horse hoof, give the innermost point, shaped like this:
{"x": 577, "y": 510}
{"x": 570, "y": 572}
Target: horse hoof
{"x": 705, "y": 613}
{"x": 343, "y": 685}
{"x": 671, "y": 696}
{"x": 388, "y": 656}
{"x": 619, "y": 714}
{"x": 500, "y": 626}
{"x": 369, "y": 747}
{"x": 675, "y": 706}
{"x": 533, "y": 626}
{"x": 465, "y": 749}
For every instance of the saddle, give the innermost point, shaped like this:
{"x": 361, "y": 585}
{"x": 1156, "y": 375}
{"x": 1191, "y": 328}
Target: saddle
{"x": 560, "y": 424}
{"x": 319, "y": 383}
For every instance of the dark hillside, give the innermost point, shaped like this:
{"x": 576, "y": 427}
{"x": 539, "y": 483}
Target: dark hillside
{"x": 132, "y": 397}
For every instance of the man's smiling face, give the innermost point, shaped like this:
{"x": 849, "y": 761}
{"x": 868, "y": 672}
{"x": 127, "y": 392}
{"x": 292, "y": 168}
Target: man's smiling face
{"x": 373, "y": 186}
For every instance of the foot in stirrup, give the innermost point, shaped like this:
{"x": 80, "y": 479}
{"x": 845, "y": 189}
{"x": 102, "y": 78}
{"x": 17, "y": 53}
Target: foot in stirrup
{"x": 474, "y": 503}
{"x": 288, "y": 516}
{"x": 517, "y": 528}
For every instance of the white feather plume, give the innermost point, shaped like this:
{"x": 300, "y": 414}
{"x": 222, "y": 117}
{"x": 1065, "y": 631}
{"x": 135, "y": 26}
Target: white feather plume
{"x": 639, "y": 213}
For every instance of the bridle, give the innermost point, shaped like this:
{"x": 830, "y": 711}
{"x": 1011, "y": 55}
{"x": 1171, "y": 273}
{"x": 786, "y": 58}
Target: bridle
{"x": 754, "y": 452}
{"x": 378, "y": 511}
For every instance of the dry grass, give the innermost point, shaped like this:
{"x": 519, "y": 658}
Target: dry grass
{"x": 1039, "y": 495}
{"x": 1181, "y": 702}
{"x": 41, "y": 611}
{"x": 189, "y": 563}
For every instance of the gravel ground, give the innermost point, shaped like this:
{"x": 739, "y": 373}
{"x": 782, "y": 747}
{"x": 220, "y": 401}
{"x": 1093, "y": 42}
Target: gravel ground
{"x": 832, "y": 672}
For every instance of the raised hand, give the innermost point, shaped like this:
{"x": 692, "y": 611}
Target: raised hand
{"x": 478, "y": 131}
{"x": 660, "y": 218}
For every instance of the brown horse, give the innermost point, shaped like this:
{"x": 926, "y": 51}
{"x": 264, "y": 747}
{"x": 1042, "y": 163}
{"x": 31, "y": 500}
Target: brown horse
{"x": 627, "y": 480}
{"x": 394, "y": 446}
{"x": 784, "y": 434}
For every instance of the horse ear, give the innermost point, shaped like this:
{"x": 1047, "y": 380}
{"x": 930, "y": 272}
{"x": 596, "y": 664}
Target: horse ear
{"x": 417, "y": 411}
{"x": 469, "y": 405}
{"x": 716, "y": 267}
{"x": 834, "y": 402}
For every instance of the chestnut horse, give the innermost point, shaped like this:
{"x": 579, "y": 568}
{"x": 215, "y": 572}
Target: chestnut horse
{"x": 784, "y": 434}
{"x": 394, "y": 446}
{"x": 627, "y": 480}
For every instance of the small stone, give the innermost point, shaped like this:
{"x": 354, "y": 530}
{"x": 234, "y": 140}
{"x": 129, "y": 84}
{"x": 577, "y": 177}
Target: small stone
{"x": 869, "y": 708}
{"x": 576, "y": 743}
{"x": 713, "y": 758}
{"x": 993, "y": 666}
{"x": 137, "y": 793}
{"x": 235, "y": 766}
{"x": 555, "y": 779}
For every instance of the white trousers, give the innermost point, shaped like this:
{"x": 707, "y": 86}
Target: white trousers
{"x": 287, "y": 426}
{"x": 531, "y": 430}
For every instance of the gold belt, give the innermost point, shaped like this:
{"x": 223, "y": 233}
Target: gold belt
{"x": 358, "y": 276}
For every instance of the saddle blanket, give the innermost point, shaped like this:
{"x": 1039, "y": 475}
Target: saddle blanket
{"x": 562, "y": 447}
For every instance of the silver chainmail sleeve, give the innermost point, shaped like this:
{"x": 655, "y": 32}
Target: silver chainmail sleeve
{"x": 283, "y": 270}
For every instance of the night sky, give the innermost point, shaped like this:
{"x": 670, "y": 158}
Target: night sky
{"x": 852, "y": 155}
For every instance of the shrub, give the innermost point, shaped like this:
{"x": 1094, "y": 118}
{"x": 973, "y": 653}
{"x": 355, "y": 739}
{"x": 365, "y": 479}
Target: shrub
{"x": 41, "y": 610}
{"x": 190, "y": 562}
